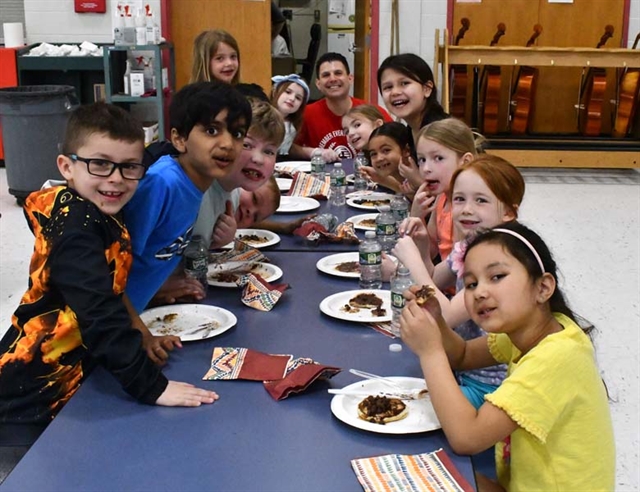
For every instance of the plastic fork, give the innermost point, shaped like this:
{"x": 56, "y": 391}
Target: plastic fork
{"x": 382, "y": 379}
{"x": 412, "y": 394}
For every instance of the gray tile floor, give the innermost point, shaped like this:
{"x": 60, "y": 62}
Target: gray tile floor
{"x": 590, "y": 219}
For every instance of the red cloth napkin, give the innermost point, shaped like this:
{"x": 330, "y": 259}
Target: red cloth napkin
{"x": 258, "y": 293}
{"x": 243, "y": 363}
{"x": 281, "y": 375}
{"x": 301, "y": 373}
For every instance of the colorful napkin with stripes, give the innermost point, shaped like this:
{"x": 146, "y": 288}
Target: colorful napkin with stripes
{"x": 307, "y": 185}
{"x": 282, "y": 375}
{"x": 410, "y": 473}
{"x": 384, "y": 328}
{"x": 243, "y": 363}
{"x": 258, "y": 293}
{"x": 241, "y": 252}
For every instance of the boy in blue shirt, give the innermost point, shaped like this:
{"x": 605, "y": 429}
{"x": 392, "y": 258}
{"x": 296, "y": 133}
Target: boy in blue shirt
{"x": 209, "y": 121}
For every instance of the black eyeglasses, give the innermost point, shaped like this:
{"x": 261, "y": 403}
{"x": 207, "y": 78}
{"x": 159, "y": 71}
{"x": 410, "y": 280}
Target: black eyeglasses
{"x": 105, "y": 168}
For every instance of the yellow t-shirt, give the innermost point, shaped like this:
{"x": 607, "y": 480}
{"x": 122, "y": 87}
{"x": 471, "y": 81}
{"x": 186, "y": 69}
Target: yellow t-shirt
{"x": 555, "y": 394}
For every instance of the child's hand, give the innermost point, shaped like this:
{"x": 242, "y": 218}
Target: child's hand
{"x": 179, "y": 288}
{"x": 419, "y": 328}
{"x": 330, "y": 155}
{"x": 423, "y": 203}
{"x": 370, "y": 173}
{"x": 225, "y": 228}
{"x": 410, "y": 171}
{"x": 158, "y": 347}
{"x": 417, "y": 230}
{"x": 178, "y": 394}
{"x": 407, "y": 253}
{"x": 388, "y": 268}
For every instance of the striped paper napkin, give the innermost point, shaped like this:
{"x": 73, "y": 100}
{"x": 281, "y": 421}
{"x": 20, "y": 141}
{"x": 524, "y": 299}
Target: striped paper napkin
{"x": 410, "y": 473}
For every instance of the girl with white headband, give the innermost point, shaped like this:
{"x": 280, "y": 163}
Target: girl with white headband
{"x": 290, "y": 95}
{"x": 484, "y": 193}
{"x": 549, "y": 420}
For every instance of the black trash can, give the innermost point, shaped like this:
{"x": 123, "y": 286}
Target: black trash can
{"x": 33, "y": 118}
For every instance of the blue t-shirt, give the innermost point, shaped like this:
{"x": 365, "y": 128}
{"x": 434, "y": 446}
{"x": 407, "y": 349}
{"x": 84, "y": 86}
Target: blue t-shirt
{"x": 160, "y": 219}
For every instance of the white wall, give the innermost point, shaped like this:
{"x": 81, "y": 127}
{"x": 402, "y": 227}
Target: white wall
{"x": 55, "y": 21}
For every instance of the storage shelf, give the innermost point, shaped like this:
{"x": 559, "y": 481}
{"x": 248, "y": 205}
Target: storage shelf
{"x": 162, "y": 93}
{"x": 542, "y": 56}
{"x": 121, "y": 98}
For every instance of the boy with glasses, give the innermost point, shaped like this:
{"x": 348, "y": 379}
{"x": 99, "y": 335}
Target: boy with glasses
{"x": 73, "y": 315}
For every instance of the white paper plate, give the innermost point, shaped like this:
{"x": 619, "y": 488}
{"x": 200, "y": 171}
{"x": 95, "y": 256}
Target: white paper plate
{"x": 267, "y": 271}
{"x": 293, "y": 166}
{"x": 357, "y": 219}
{"x": 421, "y": 417}
{"x": 353, "y": 201}
{"x": 189, "y": 322}
{"x": 350, "y": 178}
{"x": 284, "y": 184}
{"x": 332, "y": 305}
{"x": 268, "y": 238}
{"x": 328, "y": 264}
{"x": 293, "y": 204}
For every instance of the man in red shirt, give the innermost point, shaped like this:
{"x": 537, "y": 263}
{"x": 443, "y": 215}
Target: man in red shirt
{"x": 321, "y": 130}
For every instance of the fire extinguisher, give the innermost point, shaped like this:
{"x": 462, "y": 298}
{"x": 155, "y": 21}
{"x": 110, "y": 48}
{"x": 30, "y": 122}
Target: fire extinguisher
{"x": 92, "y": 6}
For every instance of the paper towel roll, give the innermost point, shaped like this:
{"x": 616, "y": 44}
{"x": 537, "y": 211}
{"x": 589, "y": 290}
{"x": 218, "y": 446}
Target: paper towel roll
{"x": 13, "y": 34}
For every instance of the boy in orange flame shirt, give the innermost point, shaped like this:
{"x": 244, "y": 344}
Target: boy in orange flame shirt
{"x": 74, "y": 314}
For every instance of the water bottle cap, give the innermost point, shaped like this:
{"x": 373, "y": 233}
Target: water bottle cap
{"x": 395, "y": 347}
{"x": 338, "y": 164}
{"x": 370, "y": 234}
{"x": 384, "y": 208}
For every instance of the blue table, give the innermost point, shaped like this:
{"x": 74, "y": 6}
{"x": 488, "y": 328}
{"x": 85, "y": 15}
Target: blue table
{"x": 297, "y": 243}
{"x": 102, "y": 440}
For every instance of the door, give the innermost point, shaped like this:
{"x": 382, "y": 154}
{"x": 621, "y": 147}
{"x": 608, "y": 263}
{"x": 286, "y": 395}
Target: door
{"x": 362, "y": 55}
{"x": 249, "y": 22}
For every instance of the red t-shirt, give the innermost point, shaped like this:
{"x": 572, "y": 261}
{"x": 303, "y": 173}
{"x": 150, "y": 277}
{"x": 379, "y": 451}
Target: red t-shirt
{"x": 322, "y": 128}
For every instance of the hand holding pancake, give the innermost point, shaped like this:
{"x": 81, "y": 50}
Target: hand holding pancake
{"x": 422, "y": 320}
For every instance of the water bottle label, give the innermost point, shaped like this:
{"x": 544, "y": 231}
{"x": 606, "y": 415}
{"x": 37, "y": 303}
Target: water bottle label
{"x": 374, "y": 258}
{"x": 339, "y": 181}
{"x": 385, "y": 229}
{"x": 397, "y": 300}
{"x": 197, "y": 263}
{"x": 401, "y": 213}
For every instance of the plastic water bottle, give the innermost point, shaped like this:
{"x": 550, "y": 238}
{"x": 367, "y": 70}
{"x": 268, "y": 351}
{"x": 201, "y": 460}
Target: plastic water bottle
{"x": 196, "y": 261}
{"x": 338, "y": 185}
{"x": 399, "y": 283}
{"x": 370, "y": 256}
{"x": 399, "y": 208}
{"x": 359, "y": 181}
{"x": 317, "y": 166}
{"x": 386, "y": 228}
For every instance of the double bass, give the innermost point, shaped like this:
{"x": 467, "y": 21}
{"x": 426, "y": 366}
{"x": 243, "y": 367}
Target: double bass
{"x": 627, "y": 99}
{"x": 523, "y": 94}
{"x": 458, "y": 103}
{"x": 592, "y": 92}
{"x": 491, "y": 89}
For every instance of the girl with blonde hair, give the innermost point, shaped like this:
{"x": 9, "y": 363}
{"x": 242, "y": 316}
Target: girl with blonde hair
{"x": 216, "y": 56}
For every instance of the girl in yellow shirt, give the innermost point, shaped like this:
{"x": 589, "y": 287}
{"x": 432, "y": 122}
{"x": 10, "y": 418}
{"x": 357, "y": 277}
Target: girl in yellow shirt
{"x": 550, "y": 418}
